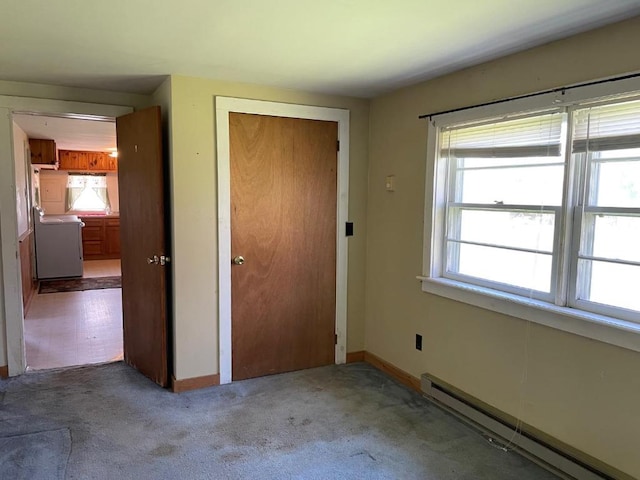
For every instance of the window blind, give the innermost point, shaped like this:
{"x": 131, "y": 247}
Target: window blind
{"x": 535, "y": 136}
{"x": 607, "y": 127}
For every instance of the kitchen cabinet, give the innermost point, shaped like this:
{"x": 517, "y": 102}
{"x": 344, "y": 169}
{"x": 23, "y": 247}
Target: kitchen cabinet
{"x": 98, "y": 161}
{"x": 82, "y": 161}
{"x": 101, "y": 237}
{"x": 43, "y": 152}
{"x": 112, "y": 236}
{"x": 72, "y": 160}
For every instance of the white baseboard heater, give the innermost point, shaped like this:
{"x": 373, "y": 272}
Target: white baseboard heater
{"x": 549, "y": 457}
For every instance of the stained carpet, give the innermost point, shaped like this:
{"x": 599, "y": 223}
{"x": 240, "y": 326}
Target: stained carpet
{"x": 78, "y": 284}
{"x": 36, "y": 455}
{"x": 337, "y": 422}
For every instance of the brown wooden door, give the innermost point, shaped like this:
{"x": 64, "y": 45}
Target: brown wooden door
{"x": 283, "y": 222}
{"x": 142, "y": 232}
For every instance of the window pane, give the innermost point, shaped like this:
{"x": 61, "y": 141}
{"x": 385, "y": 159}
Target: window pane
{"x": 520, "y": 269}
{"x": 511, "y": 186}
{"x": 617, "y": 237}
{"x": 89, "y": 201}
{"x": 609, "y": 283}
{"x": 618, "y": 184}
{"x": 512, "y": 229}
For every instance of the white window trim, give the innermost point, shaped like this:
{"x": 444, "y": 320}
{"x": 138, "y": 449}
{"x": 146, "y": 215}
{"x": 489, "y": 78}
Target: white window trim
{"x": 606, "y": 329}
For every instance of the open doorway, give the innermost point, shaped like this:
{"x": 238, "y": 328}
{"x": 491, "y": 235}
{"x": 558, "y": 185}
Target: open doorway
{"x": 71, "y": 281}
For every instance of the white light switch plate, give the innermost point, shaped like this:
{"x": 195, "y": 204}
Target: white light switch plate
{"x": 390, "y": 183}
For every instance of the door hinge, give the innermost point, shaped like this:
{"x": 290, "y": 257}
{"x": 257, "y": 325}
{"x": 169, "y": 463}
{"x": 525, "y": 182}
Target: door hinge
{"x": 336, "y": 339}
{"x": 338, "y": 145}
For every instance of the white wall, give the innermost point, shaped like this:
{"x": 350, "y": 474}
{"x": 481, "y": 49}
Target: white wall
{"x": 112, "y": 188}
{"x": 53, "y": 186}
{"x": 20, "y": 150}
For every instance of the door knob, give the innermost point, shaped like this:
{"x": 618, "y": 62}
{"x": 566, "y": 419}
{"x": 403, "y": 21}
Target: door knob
{"x": 239, "y": 260}
{"x": 158, "y": 260}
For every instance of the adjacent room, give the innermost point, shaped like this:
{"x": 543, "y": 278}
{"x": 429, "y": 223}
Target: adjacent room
{"x": 294, "y": 239}
{"x": 69, "y": 235}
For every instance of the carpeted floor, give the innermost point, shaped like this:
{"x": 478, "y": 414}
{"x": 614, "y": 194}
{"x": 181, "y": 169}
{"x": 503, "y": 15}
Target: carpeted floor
{"x": 35, "y": 456}
{"x": 336, "y": 422}
{"x": 79, "y": 284}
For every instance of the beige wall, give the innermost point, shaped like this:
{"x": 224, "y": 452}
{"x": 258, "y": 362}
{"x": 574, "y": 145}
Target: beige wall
{"x": 193, "y": 178}
{"x": 37, "y": 90}
{"x": 189, "y": 120}
{"x": 580, "y": 391}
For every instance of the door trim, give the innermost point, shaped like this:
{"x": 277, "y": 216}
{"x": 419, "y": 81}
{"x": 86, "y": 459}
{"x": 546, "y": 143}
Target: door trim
{"x": 224, "y": 106}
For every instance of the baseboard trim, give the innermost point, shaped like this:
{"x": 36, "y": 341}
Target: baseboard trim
{"x": 186, "y": 384}
{"x": 400, "y": 375}
{"x": 4, "y": 371}
{"x": 353, "y": 357}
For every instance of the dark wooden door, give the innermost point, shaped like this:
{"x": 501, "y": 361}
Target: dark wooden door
{"x": 142, "y": 231}
{"x": 283, "y": 222}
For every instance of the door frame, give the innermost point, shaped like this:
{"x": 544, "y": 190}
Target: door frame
{"x": 11, "y": 276}
{"x": 223, "y": 107}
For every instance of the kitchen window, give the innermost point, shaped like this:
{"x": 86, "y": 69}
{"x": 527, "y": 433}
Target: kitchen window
{"x": 87, "y": 194}
{"x": 539, "y": 211}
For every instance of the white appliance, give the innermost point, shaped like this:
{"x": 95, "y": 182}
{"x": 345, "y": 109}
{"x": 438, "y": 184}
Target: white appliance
{"x": 58, "y": 245}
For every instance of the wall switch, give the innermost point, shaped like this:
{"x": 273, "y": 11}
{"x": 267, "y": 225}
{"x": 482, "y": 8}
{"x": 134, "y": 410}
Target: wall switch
{"x": 390, "y": 183}
{"x": 418, "y": 342}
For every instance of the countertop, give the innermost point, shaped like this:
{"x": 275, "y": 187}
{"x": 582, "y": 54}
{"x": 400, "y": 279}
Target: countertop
{"x": 111, "y": 215}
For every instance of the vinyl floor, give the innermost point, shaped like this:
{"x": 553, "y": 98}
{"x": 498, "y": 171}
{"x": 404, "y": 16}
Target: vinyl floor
{"x": 76, "y": 328}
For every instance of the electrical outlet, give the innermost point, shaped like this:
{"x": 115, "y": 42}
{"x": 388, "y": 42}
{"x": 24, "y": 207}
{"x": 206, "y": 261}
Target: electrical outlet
{"x": 418, "y": 342}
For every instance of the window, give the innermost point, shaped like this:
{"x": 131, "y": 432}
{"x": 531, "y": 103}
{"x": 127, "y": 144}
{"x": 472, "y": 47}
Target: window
{"x": 539, "y": 207}
{"x": 87, "y": 193}
{"x": 504, "y": 202}
{"x": 606, "y": 260}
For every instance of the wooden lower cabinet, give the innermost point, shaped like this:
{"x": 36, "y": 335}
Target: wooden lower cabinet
{"x": 29, "y": 284}
{"x": 112, "y": 236}
{"x": 101, "y": 238}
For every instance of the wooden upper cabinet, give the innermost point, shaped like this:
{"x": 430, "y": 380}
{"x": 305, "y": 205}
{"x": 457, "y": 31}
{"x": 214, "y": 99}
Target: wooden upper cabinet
{"x": 43, "y": 152}
{"x": 72, "y": 160}
{"x": 98, "y": 161}
{"x": 87, "y": 161}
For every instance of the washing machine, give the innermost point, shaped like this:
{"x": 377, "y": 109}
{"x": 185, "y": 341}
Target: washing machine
{"x": 58, "y": 240}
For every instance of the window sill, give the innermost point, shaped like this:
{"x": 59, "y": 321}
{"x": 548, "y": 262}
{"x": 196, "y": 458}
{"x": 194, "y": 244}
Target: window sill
{"x": 590, "y": 325}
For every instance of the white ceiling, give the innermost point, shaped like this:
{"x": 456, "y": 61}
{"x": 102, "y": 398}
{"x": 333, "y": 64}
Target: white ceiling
{"x": 70, "y": 133}
{"x": 353, "y": 47}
